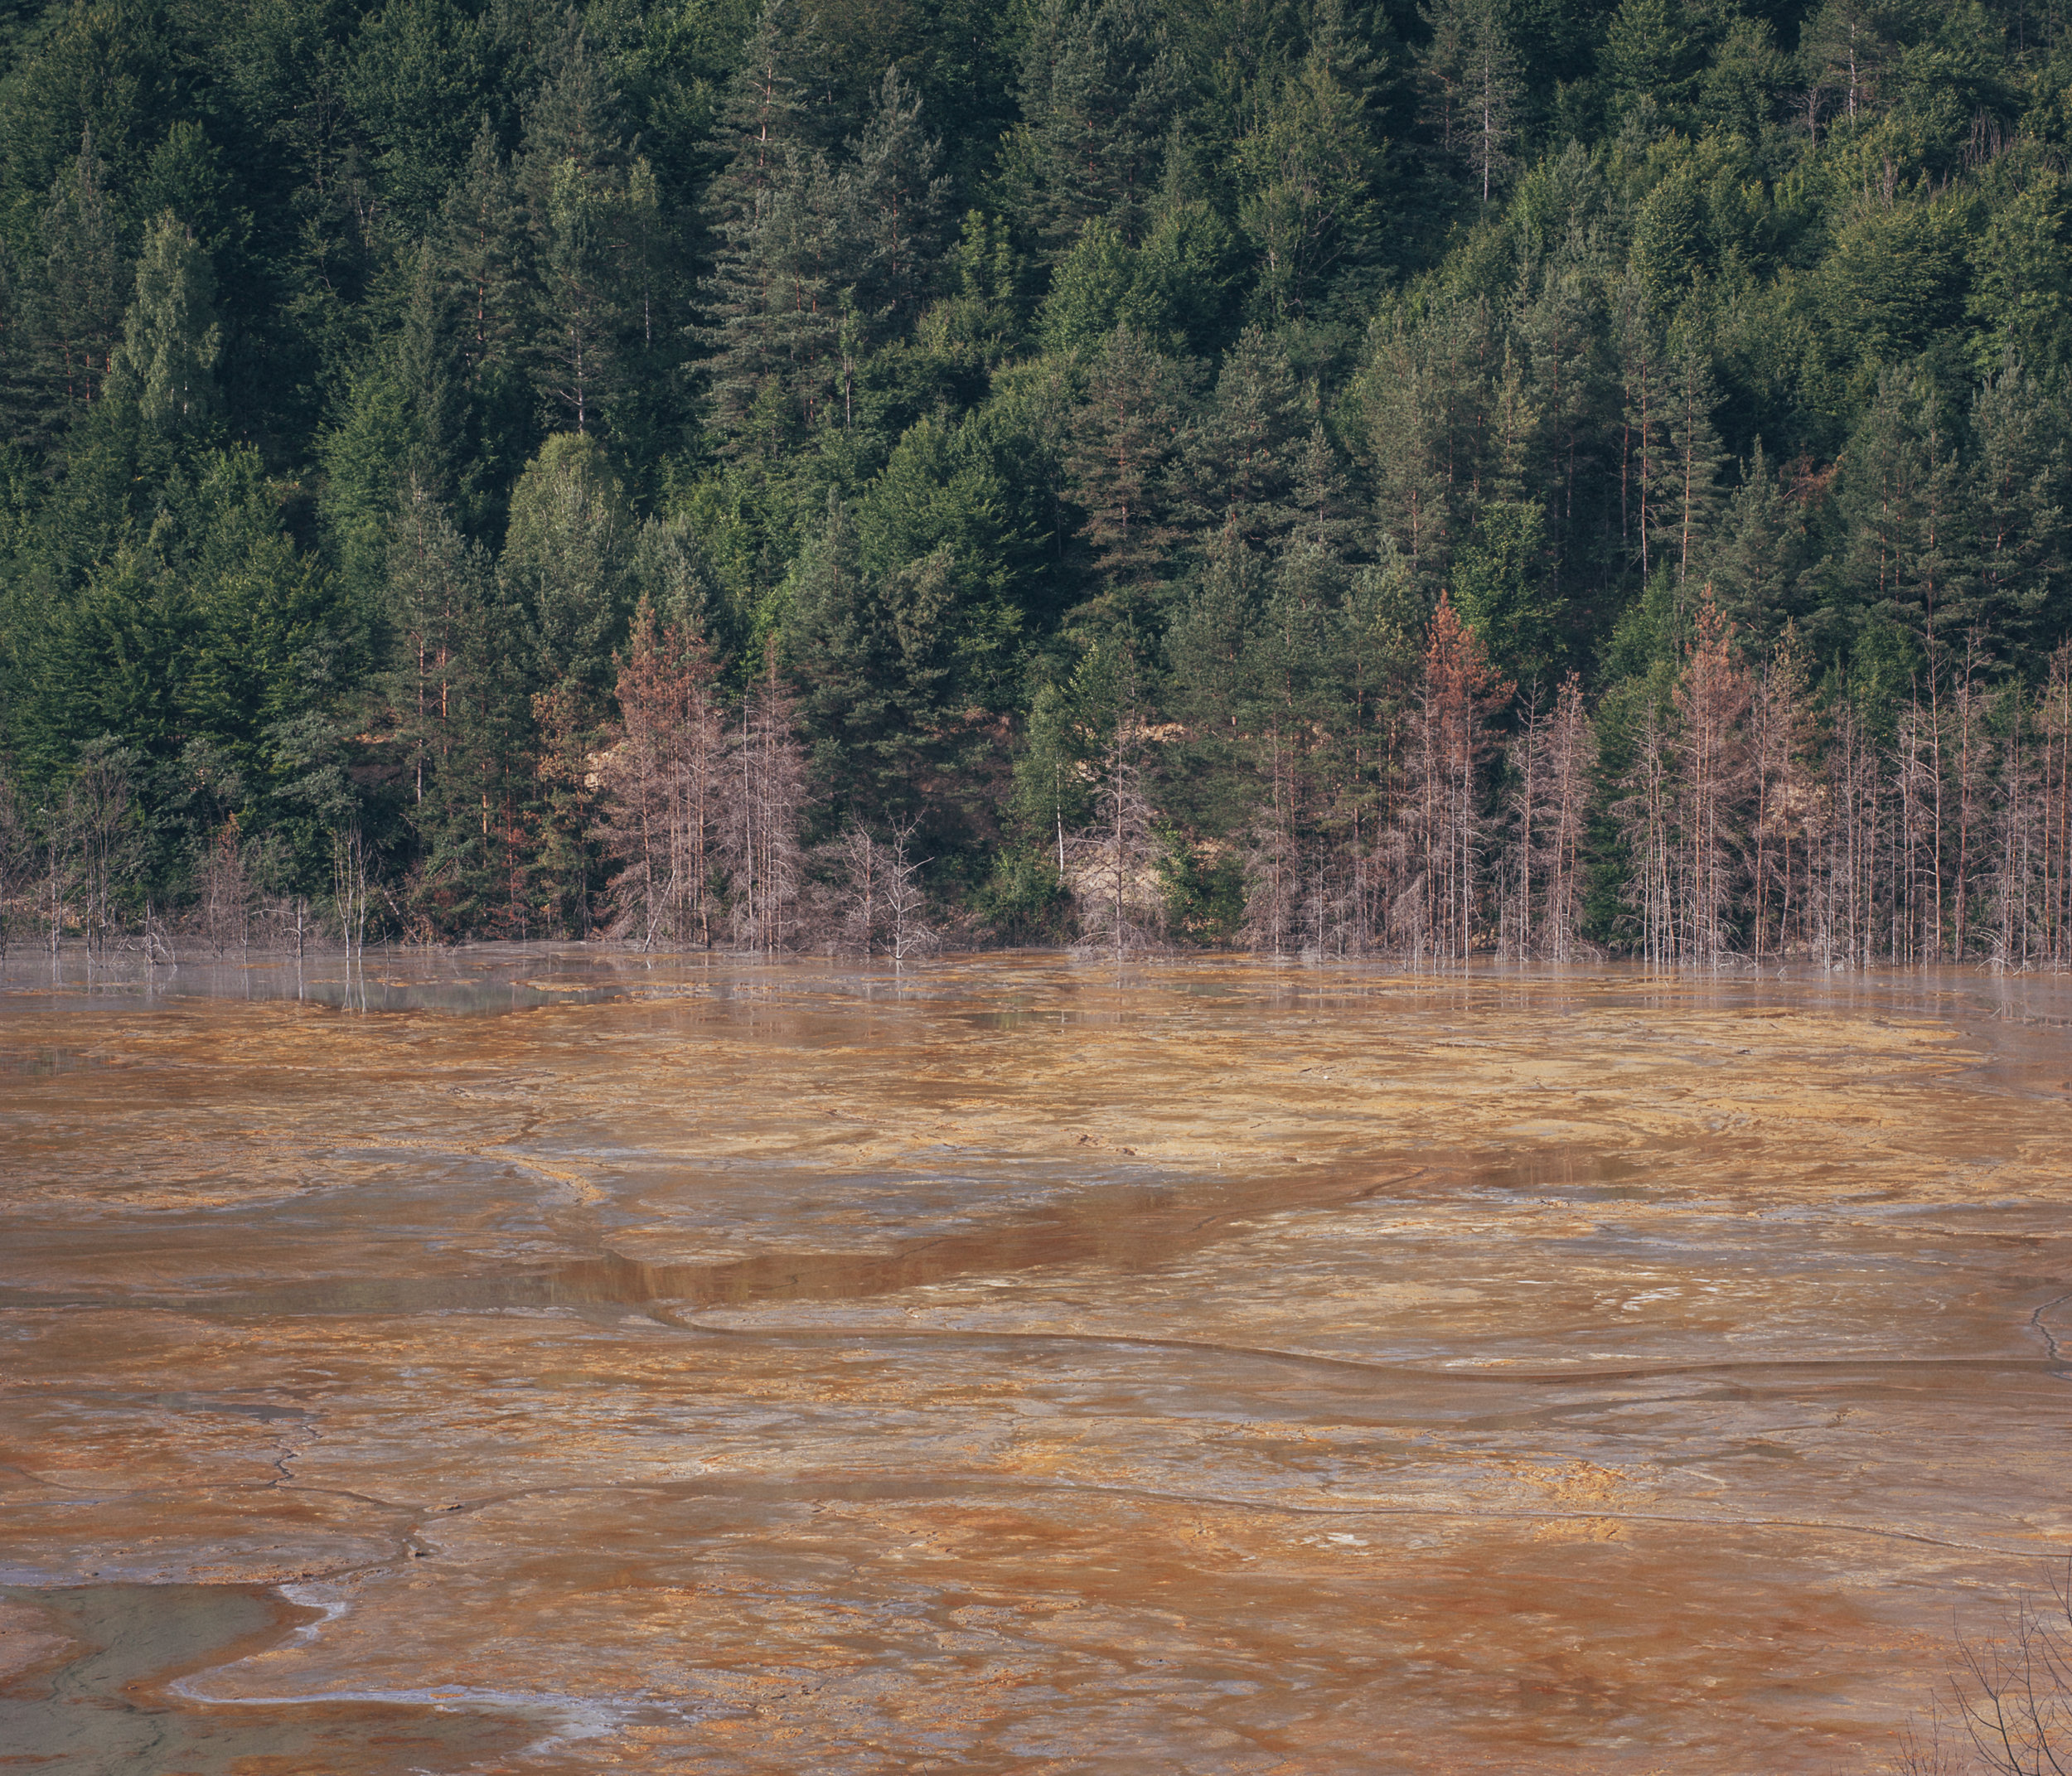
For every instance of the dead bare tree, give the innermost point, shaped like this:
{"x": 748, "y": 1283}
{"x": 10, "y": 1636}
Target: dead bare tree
{"x": 1713, "y": 774}
{"x": 1861, "y": 889}
{"x": 1273, "y": 859}
{"x": 1344, "y": 874}
{"x": 17, "y": 862}
{"x": 97, "y": 824}
{"x": 856, "y": 900}
{"x": 1552, "y": 757}
{"x": 2010, "y": 1694}
{"x": 1440, "y": 911}
{"x": 1941, "y": 758}
{"x": 289, "y": 922}
{"x": 904, "y": 900}
{"x": 1572, "y": 771}
{"x": 1969, "y": 757}
{"x": 1687, "y": 802}
{"x": 1526, "y": 803}
{"x": 1645, "y": 811}
{"x": 1789, "y": 802}
{"x": 350, "y": 887}
{"x": 2054, "y": 789}
{"x": 1115, "y": 860}
{"x": 156, "y": 941}
{"x": 54, "y": 884}
{"x": 2027, "y": 885}
{"x": 662, "y": 787}
{"x": 1917, "y": 881}
{"x": 1928, "y": 1747}
{"x": 225, "y": 900}
{"x": 768, "y": 789}
{"x": 876, "y": 900}
{"x": 2012, "y": 881}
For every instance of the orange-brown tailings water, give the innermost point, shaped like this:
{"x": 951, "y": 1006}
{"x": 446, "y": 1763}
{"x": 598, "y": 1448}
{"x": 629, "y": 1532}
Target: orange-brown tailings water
{"x": 526, "y": 1361}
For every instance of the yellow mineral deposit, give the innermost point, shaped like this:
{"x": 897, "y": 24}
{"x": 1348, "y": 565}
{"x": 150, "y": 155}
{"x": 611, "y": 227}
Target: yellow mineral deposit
{"x": 608, "y": 1365}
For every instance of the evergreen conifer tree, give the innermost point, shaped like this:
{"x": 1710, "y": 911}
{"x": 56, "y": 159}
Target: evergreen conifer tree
{"x": 895, "y": 199}
{"x": 2021, "y": 499}
{"x": 1758, "y": 553}
{"x": 1473, "y": 92}
{"x": 590, "y": 204}
{"x": 72, "y": 299}
{"x": 1121, "y": 457}
{"x": 485, "y": 257}
{"x": 1240, "y": 460}
{"x": 1100, "y": 87}
{"x": 172, "y": 341}
{"x": 565, "y": 570}
{"x": 768, "y": 324}
{"x": 462, "y": 720}
{"x": 1654, "y": 50}
{"x": 1312, "y": 170}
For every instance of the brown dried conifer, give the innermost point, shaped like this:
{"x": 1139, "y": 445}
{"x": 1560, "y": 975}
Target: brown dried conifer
{"x": 662, "y": 787}
{"x": 1452, "y": 736}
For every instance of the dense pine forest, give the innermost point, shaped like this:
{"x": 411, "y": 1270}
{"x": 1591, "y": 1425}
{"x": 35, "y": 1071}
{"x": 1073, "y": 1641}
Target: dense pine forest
{"x": 1531, "y": 477}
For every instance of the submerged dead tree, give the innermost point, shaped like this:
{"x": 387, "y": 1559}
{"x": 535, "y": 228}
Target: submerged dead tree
{"x": 662, "y": 788}
{"x": 2006, "y": 1700}
{"x": 98, "y": 829}
{"x": 1111, "y": 863}
{"x": 1714, "y": 776}
{"x": 224, "y": 891}
{"x": 1275, "y": 858}
{"x": 2053, "y": 816}
{"x": 18, "y": 864}
{"x": 1553, "y": 761}
{"x": 877, "y": 903}
{"x": 1791, "y": 805}
{"x": 1446, "y": 817}
{"x": 767, "y": 801}
{"x": 1120, "y": 901}
{"x": 352, "y": 886}
{"x": 1646, "y": 815}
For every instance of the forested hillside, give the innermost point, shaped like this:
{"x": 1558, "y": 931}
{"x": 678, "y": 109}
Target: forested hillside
{"x": 1529, "y": 474}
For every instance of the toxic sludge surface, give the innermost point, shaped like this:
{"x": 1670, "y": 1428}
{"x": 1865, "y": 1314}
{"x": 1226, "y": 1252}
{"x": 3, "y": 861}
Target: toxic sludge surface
{"x": 728, "y": 1368}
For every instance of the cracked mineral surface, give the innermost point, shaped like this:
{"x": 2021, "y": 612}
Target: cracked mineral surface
{"x": 532, "y": 1360}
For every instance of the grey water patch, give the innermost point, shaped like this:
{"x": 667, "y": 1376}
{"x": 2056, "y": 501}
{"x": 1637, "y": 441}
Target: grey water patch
{"x": 1117, "y": 1219}
{"x": 468, "y": 980}
{"x": 115, "y": 1707}
{"x": 47, "y": 1063}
